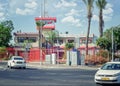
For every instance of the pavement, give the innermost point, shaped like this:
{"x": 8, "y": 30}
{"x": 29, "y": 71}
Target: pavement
{"x": 39, "y": 65}
{"x": 60, "y": 66}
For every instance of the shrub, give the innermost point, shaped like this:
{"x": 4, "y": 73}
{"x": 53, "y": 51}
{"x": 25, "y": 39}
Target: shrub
{"x": 2, "y": 52}
{"x": 93, "y": 59}
{"x": 69, "y": 45}
{"x": 103, "y": 53}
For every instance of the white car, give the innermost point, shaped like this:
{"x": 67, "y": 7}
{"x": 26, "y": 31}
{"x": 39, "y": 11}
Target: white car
{"x": 16, "y": 61}
{"x": 109, "y": 73}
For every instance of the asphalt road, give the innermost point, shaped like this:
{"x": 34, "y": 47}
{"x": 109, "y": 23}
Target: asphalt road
{"x": 45, "y": 77}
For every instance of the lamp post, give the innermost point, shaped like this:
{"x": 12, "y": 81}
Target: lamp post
{"x": 40, "y": 25}
{"x": 112, "y": 46}
{"x": 57, "y": 46}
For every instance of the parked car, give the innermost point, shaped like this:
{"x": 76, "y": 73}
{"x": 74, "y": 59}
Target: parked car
{"x": 16, "y": 62}
{"x": 109, "y": 73}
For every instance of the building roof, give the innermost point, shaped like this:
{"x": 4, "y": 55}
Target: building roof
{"x": 25, "y": 34}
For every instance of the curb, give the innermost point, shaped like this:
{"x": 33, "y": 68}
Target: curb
{"x": 39, "y": 66}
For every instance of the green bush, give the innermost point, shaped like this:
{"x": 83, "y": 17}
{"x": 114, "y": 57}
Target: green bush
{"x": 103, "y": 53}
{"x": 69, "y": 45}
{"x": 2, "y": 50}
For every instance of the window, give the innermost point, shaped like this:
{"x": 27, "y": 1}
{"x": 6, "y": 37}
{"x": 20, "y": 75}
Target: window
{"x": 61, "y": 41}
{"x": 30, "y": 39}
{"x": 17, "y": 58}
{"x": 70, "y": 41}
{"x": 20, "y": 39}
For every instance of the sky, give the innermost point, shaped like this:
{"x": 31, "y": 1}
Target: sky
{"x": 71, "y": 15}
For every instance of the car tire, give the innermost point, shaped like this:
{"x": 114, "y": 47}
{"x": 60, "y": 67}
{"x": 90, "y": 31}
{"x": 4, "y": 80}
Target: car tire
{"x": 97, "y": 84}
{"x": 10, "y": 66}
{"x": 24, "y": 67}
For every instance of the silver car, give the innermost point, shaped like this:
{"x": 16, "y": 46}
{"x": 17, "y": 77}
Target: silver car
{"x": 16, "y": 62}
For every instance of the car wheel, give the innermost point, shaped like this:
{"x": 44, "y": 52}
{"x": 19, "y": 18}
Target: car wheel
{"x": 97, "y": 84}
{"x": 24, "y": 67}
{"x": 10, "y": 66}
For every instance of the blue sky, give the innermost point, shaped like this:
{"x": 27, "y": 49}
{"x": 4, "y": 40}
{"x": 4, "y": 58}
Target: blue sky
{"x": 70, "y": 14}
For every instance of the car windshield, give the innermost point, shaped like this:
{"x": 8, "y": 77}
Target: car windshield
{"x": 111, "y": 66}
{"x": 16, "y": 58}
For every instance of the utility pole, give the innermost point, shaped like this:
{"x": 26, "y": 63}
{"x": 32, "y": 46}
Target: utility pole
{"x": 112, "y": 46}
{"x": 40, "y": 35}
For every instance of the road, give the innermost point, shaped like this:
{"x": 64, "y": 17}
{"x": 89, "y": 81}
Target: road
{"x": 45, "y": 77}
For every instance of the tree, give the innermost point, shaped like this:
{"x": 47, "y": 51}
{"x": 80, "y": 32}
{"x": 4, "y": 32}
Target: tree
{"x": 106, "y": 40}
{"x": 89, "y": 5}
{"x": 116, "y": 35}
{"x": 52, "y": 36}
{"x": 103, "y": 43}
{"x": 40, "y": 25}
{"x": 101, "y": 5}
{"x": 6, "y": 29}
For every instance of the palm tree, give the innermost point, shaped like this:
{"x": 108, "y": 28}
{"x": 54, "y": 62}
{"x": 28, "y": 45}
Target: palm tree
{"x": 52, "y": 36}
{"x": 101, "y": 5}
{"x": 39, "y": 27}
{"x": 89, "y": 5}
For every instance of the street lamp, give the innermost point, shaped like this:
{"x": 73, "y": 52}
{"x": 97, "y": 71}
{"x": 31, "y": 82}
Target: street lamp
{"x": 40, "y": 25}
{"x": 112, "y": 46}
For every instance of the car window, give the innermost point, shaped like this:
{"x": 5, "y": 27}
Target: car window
{"x": 111, "y": 66}
{"x": 18, "y": 58}
{"x": 11, "y": 58}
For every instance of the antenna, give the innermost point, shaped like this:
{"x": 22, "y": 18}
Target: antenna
{"x": 41, "y": 9}
{"x": 45, "y": 11}
{"x": 44, "y": 7}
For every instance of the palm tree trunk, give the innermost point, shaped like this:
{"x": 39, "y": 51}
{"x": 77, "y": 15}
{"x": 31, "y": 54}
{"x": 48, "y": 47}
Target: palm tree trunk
{"x": 101, "y": 23}
{"x": 87, "y": 37}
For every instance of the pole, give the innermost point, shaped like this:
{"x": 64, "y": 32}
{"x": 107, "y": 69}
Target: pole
{"x": 58, "y": 47}
{"x": 112, "y": 46}
{"x": 40, "y": 36}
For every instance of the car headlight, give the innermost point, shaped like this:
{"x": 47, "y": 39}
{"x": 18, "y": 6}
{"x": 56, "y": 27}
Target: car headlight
{"x": 117, "y": 74}
{"x": 96, "y": 74}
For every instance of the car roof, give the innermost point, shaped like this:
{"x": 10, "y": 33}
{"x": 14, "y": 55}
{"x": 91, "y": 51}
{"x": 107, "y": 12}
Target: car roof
{"x": 16, "y": 57}
{"x": 114, "y": 62}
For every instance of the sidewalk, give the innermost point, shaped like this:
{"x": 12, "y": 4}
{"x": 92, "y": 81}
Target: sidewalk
{"x": 60, "y": 66}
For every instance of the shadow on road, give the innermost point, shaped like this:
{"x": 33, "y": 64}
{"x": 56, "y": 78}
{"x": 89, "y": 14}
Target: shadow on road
{"x": 107, "y": 84}
{"x": 25, "y": 69}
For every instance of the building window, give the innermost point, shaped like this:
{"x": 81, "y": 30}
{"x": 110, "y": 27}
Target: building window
{"x": 20, "y": 39}
{"x": 70, "y": 41}
{"x": 55, "y": 40}
{"x": 61, "y": 41}
{"x": 30, "y": 39}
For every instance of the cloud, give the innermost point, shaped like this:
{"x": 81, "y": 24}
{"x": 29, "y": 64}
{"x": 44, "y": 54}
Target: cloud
{"x": 63, "y": 3}
{"x": 73, "y": 12}
{"x": 29, "y": 8}
{"x": 31, "y": 5}
{"x": 95, "y": 18}
{"x": 71, "y": 20}
{"x": 1, "y": 8}
{"x": 2, "y": 12}
{"x": 108, "y": 9}
{"x": 23, "y": 12}
{"x": 107, "y": 13}
{"x": 2, "y": 16}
